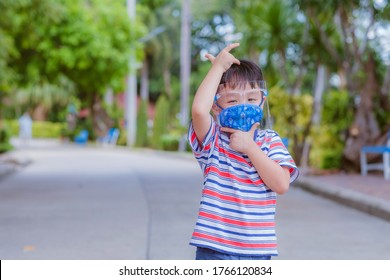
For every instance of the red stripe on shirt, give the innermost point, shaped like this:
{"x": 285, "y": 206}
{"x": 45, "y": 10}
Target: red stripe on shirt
{"x": 193, "y": 137}
{"x": 236, "y": 222}
{"x": 234, "y": 243}
{"x": 233, "y": 156}
{"x": 206, "y": 148}
{"x": 225, "y": 174}
{"x": 239, "y": 200}
{"x": 277, "y": 144}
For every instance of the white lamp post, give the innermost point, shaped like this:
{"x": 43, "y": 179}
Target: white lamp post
{"x": 131, "y": 88}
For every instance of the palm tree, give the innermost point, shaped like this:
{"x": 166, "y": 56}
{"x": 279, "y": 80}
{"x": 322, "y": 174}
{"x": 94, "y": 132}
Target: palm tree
{"x": 272, "y": 27}
{"x": 352, "y": 50}
{"x": 43, "y": 97}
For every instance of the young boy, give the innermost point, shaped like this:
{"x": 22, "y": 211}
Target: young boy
{"x": 243, "y": 167}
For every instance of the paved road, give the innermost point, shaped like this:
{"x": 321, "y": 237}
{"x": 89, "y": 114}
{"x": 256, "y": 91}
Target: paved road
{"x": 92, "y": 203}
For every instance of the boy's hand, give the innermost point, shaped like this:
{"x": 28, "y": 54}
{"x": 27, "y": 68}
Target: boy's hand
{"x": 224, "y": 59}
{"x": 241, "y": 141}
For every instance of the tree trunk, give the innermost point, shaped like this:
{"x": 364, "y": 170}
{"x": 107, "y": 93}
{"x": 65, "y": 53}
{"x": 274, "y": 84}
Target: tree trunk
{"x": 144, "y": 91}
{"x": 39, "y": 113}
{"x": 100, "y": 119}
{"x": 315, "y": 120}
{"x": 385, "y": 90}
{"x": 185, "y": 68}
{"x": 318, "y": 93}
{"x": 365, "y": 129}
{"x": 167, "y": 81}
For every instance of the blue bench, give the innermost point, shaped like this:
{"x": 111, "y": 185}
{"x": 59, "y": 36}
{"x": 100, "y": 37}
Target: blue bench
{"x": 110, "y": 138}
{"x": 82, "y": 137}
{"x": 385, "y": 165}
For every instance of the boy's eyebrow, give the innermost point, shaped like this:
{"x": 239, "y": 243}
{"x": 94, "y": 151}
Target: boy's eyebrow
{"x": 246, "y": 91}
{"x": 230, "y": 94}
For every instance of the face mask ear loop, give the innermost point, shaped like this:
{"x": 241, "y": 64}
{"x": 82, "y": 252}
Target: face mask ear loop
{"x": 216, "y": 103}
{"x": 264, "y": 97}
{"x": 267, "y": 121}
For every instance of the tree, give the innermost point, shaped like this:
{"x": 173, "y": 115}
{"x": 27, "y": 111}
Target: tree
{"x": 273, "y": 29}
{"x": 163, "y": 22}
{"x": 297, "y": 38}
{"x": 91, "y": 54}
{"x": 354, "y": 49}
{"x": 85, "y": 42}
{"x": 161, "y": 65}
{"x": 6, "y": 50}
{"x": 23, "y": 28}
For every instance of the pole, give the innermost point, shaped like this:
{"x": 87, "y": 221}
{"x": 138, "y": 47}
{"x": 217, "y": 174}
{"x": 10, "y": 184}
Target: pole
{"x": 131, "y": 88}
{"x": 185, "y": 67}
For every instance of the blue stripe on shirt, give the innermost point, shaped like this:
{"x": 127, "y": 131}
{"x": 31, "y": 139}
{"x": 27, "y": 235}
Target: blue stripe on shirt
{"x": 237, "y": 211}
{"x": 230, "y": 187}
{"x": 233, "y": 232}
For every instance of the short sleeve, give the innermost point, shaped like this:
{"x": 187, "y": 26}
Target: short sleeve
{"x": 201, "y": 149}
{"x": 279, "y": 153}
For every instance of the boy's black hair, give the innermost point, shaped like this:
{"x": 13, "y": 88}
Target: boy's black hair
{"x": 247, "y": 71}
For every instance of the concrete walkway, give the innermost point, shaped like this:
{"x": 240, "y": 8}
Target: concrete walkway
{"x": 370, "y": 194}
{"x": 52, "y": 206}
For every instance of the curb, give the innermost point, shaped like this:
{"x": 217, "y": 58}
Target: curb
{"x": 371, "y": 205}
{"x": 10, "y": 165}
{"x": 6, "y": 169}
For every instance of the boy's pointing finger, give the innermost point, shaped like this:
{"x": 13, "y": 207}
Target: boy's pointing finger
{"x": 232, "y": 46}
{"x": 254, "y": 126}
{"x": 210, "y": 57}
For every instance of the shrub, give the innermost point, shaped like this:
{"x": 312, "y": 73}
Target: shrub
{"x": 329, "y": 138}
{"x": 44, "y": 129}
{"x": 122, "y": 140}
{"x": 5, "y": 137}
{"x": 170, "y": 142}
{"x": 40, "y": 129}
{"x": 161, "y": 121}
{"x": 290, "y": 116}
{"x": 142, "y": 125}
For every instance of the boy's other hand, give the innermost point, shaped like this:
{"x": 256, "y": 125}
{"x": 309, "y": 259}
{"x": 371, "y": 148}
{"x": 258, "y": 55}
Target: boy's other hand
{"x": 241, "y": 141}
{"x": 224, "y": 59}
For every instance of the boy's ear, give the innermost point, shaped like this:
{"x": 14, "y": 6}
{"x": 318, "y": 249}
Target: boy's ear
{"x": 215, "y": 109}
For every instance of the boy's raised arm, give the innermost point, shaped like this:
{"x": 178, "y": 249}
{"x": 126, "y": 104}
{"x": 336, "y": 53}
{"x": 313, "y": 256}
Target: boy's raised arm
{"x": 204, "y": 97}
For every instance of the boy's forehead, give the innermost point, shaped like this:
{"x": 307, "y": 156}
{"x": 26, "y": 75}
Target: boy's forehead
{"x": 237, "y": 86}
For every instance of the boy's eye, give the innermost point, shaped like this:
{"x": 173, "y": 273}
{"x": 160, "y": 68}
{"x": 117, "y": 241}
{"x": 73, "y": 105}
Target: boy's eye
{"x": 231, "y": 101}
{"x": 254, "y": 97}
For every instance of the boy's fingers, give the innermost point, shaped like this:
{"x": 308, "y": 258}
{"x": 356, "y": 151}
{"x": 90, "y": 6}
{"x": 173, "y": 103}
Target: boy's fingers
{"x": 228, "y": 129}
{"x": 232, "y": 130}
{"x": 254, "y": 126}
{"x": 210, "y": 57}
{"x": 232, "y": 46}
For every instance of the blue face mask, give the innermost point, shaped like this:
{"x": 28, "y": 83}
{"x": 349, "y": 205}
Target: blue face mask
{"x": 241, "y": 116}
{"x": 241, "y": 104}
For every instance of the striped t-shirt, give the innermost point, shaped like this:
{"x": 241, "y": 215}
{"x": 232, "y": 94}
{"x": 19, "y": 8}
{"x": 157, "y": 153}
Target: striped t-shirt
{"x": 237, "y": 210}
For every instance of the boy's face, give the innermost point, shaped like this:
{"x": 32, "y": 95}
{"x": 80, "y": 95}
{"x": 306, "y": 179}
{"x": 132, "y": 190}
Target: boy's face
{"x": 240, "y": 93}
